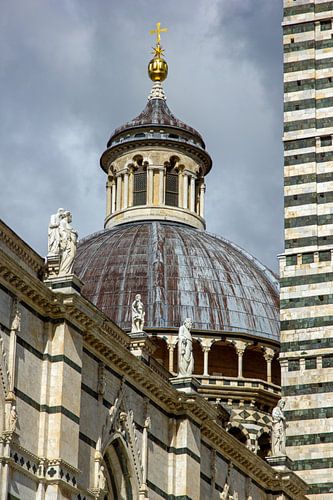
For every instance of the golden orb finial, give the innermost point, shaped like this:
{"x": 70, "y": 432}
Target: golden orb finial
{"x": 158, "y": 67}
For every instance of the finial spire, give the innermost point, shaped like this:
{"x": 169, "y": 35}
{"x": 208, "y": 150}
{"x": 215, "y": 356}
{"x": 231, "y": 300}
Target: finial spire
{"x": 158, "y": 32}
{"x": 158, "y": 68}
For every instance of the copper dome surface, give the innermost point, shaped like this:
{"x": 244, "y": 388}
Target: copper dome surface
{"x": 180, "y": 272}
{"x": 156, "y": 112}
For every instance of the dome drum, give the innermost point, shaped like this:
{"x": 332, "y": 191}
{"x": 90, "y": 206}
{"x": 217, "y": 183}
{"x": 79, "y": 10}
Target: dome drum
{"x": 155, "y": 184}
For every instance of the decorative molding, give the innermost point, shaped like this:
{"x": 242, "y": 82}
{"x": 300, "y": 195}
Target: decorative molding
{"x": 25, "y": 253}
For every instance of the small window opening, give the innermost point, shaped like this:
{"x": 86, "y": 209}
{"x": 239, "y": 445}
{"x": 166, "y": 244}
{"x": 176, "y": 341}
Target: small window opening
{"x": 171, "y": 189}
{"x": 140, "y": 187}
{"x": 325, "y": 25}
{"x": 326, "y": 141}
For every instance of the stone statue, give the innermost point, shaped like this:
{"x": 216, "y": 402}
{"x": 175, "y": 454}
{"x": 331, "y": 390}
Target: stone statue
{"x": 138, "y": 315}
{"x": 16, "y": 323}
{"x": 278, "y": 430}
{"x": 68, "y": 242}
{"x": 53, "y": 233}
{"x": 101, "y": 478}
{"x": 13, "y": 418}
{"x": 185, "y": 354}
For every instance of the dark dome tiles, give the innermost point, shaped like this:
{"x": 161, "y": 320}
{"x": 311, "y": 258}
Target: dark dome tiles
{"x": 182, "y": 272}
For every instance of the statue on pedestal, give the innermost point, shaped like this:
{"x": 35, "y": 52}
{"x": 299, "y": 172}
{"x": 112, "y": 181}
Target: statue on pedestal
{"x": 16, "y": 323}
{"x": 68, "y": 242}
{"x": 279, "y": 430}
{"x": 13, "y": 418}
{"x": 138, "y": 315}
{"x": 53, "y": 233}
{"x": 185, "y": 354}
{"x": 101, "y": 479}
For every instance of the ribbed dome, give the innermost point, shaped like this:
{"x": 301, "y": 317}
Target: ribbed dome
{"x": 180, "y": 272}
{"x": 157, "y": 112}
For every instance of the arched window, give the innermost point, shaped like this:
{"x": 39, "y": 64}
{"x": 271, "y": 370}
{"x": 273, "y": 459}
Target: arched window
{"x": 264, "y": 445}
{"x": 171, "y": 188}
{"x": 140, "y": 187}
{"x": 171, "y": 182}
{"x": 238, "y": 434}
{"x": 119, "y": 474}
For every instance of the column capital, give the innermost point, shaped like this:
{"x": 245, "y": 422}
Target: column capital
{"x": 171, "y": 341}
{"x": 269, "y": 353}
{"x": 240, "y": 346}
{"x": 206, "y": 343}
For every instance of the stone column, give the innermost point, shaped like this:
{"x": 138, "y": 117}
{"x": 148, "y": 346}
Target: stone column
{"x": 171, "y": 344}
{"x": 269, "y": 355}
{"x": 202, "y": 199}
{"x": 15, "y": 327}
{"x": 186, "y": 466}
{"x": 161, "y": 186}
{"x": 192, "y": 193}
{"x": 118, "y": 202}
{"x": 240, "y": 348}
{"x": 108, "y": 196}
{"x": 180, "y": 187}
{"x": 206, "y": 350}
{"x": 185, "y": 190}
{"x": 206, "y": 345}
{"x": 125, "y": 198}
{"x": 131, "y": 187}
{"x": 150, "y": 185}
{"x": 113, "y": 197}
{"x": 144, "y": 453}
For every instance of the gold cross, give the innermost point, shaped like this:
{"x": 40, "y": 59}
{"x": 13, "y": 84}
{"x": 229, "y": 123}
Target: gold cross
{"x": 158, "y": 32}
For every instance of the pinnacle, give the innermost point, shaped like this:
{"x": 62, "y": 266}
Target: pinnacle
{"x": 157, "y": 92}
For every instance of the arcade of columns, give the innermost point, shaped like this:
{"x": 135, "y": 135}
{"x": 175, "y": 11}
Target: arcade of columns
{"x": 120, "y": 188}
{"x": 206, "y": 345}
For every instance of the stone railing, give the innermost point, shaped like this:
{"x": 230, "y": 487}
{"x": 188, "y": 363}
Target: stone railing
{"x": 244, "y": 383}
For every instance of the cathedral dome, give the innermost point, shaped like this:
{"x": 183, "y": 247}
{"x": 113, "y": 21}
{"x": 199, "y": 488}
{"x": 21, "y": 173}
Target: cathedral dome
{"x": 156, "y": 125}
{"x": 180, "y": 272}
{"x": 157, "y": 113}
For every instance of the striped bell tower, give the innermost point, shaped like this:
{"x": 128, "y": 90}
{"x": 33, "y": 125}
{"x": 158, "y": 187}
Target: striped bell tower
{"x": 306, "y": 266}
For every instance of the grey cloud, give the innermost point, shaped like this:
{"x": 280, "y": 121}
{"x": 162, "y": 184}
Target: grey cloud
{"x": 72, "y": 71}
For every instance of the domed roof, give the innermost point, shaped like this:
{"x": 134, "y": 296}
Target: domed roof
{"x": 180, "y": 272}
{"x": 156, "y": 112}
{"x": 156, "y": 126}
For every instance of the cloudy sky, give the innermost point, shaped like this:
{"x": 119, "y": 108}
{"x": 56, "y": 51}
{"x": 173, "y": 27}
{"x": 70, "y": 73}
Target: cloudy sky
{"x": 73, "y": 70}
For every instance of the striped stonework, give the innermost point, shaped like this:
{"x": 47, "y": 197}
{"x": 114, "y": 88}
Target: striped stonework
{"x": 306, "y": 267}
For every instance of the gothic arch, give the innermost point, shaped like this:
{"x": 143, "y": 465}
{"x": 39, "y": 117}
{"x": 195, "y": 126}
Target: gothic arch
{"x": 118, "y": 452}
{"x": 120, "y": 471}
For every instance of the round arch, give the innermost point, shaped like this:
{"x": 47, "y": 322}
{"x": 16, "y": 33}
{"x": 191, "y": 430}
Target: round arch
{"x": 239, "y": 432}
{"x": 223, "y": 359}
{"x": 263, "y": 442}
{"x": 254, "y": 364}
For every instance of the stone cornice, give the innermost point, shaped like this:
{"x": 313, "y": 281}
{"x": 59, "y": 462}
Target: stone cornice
{"x": 251, "y": 464}
{"x": 16, "y": 245}
{"x": 190, "y": 149}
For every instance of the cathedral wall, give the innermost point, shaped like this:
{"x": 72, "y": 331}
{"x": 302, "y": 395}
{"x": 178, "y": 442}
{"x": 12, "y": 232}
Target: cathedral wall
{"x": 21, "y": 487}
{"x": 81, "y": 400}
